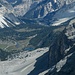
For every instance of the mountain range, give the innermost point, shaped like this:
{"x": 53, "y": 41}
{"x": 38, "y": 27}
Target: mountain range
{"x": 48, "y": 12}
{"x": 42, "y": 31}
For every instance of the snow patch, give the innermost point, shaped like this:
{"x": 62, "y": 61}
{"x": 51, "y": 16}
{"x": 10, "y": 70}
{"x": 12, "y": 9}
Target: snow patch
{"x": 17, "y": 23}
{"x": 22, "y": 66}
{"x": 70, "y": 32}
{"x": 55, "y": 1}
{"x": 67, "y": 49}
{"x": 60, "y": 21}
{"x": 43, "y": 73}
{"x": 62, "y": 62}
{"x": 2, "y": 22}
{"x": 14, "y": 2}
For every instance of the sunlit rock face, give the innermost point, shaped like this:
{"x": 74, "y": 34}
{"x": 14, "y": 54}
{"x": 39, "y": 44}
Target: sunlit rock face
{"x": 7, "y": 17}
{"x": 22, "y": 6}
{"x": 39, "y": 8}
{"x": 52, "y": 9}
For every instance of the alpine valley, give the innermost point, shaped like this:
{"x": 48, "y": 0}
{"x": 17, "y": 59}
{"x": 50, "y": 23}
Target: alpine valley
{"x": 37, "y": 37}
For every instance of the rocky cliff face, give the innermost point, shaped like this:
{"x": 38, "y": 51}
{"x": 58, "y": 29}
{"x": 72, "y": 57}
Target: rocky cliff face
{"x": 42, "y": 7}
{"x": 57, "y": 49}
{"x": 47, "y": 6}
{"x": 52, "y": 12}
{"x": 62, "y": 52}
{"x": 21, "y": 7}
{"x": 7, "y": 17}
{"x": 48, "y": 12}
